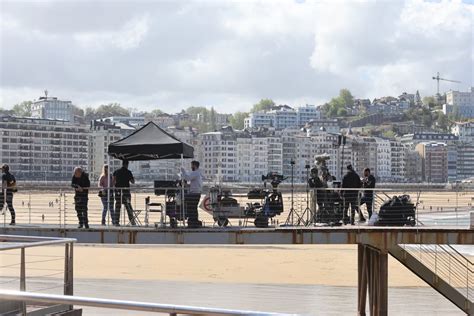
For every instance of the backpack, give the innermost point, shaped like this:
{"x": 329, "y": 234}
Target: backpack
{"x": 11, "y": 183}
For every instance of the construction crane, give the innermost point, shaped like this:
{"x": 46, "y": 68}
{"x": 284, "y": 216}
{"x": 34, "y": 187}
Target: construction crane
{"x": 438, "y": 78}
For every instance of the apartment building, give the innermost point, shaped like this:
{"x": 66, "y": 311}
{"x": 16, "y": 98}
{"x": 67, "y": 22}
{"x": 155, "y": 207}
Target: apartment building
{"x": 43, "y": 149}
{"x": 283, "y": 116}
{"x": 102, "y": 134}
{"x": 434, "y": 157}
{"x": 460, "y": 102}
{"x": 52, "y": 108}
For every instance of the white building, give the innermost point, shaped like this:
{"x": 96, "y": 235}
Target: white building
{"x": 135, "y": 121}
{"x": 283, "y": 116}
{"x": 252, "y": 158}
{"x": 384, "y": 159}
{"x": 259, "y": 119}
{"x": 53, "y": 109}
{"x": 464, "y": 130}
{"x": 328, "y": 125}
{"x": 41, "y": 149}
{"x": 101, "y": 135}
{"x": 218, "y": 155}
{"x": 461, "y": 103}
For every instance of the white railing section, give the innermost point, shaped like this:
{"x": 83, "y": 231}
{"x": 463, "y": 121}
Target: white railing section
{"x": 124, "y": 305}
{"x": 448, "y": 264}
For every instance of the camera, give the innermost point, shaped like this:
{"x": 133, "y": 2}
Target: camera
{"x": 274, "y": 178}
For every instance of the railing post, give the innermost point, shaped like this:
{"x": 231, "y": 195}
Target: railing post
{"x": 23, "y": 278}
{"x": 29, "y": 207}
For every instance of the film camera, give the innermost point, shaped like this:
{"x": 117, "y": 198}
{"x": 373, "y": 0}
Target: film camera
{"x": 222, "y": 204}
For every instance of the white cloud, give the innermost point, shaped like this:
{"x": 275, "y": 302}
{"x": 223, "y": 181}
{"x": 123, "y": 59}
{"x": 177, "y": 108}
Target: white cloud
{"x": 230, "y": 54}
{"x": 128, "y": 37}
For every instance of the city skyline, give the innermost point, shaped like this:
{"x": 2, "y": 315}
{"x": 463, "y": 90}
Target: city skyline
{"x": 230, "y": 55}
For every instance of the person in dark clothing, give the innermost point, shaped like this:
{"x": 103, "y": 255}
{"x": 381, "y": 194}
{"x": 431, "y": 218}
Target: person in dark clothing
{"x": 351, "y": 180}
{"x": 314, "y": 182}
{"x": 368, "y": 196}
{"x": 80, "y": 182}
{"x": 121, "y": 180}
{"x": 7, "y": 190}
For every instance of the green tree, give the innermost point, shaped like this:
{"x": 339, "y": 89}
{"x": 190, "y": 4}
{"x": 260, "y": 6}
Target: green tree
{"x": 106, "y": 110}
{"x": 443, "y": 122}
{"x": 429, "y": 101}
{"x": 237, "y": 120}
{"x": 23, "y": 108}
{"x": 78, "y": 111}
{"x": 346, "y": 97}
{"x": 263, "y": 105}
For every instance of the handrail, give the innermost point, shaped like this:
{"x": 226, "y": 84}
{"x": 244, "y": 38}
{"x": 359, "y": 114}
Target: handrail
{"x": 460, "y": 254}
{"x": 124, "y": 305}
{"x": 30, "y": 242}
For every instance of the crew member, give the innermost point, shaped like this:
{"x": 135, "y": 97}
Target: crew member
{"x": 122, "y": 179}
{"x": 80, "y": 182}
{"x": 7, "y": 190}
{"x": 192, "y": 197}
{"x": 368, "y": 183}
{"x": 315, "y": 182}
{"x": 351, "y": 180}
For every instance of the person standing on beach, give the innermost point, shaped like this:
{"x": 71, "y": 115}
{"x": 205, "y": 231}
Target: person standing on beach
{"x": 122, "y": 179}
{"x": 351, "y": 181}
{"x": 191, "y": 199}
{"x": 80, "y": 182}
{"x": 106, "y": 195}
{"x": 8, "y": 188}
{"x": 368, "y": 195}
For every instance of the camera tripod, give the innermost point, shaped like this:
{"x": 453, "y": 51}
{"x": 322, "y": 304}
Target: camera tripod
{"x": 291, "y": 216}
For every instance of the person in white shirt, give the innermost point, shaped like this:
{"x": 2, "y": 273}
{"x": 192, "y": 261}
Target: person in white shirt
{"x": 192, "y": 197}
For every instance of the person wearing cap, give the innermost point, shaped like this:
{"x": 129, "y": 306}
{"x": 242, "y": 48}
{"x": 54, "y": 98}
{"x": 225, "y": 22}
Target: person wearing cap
{"x": 6, "y": 194}
{"x": 351, "y": 180}
{"x": 80, "y": 182}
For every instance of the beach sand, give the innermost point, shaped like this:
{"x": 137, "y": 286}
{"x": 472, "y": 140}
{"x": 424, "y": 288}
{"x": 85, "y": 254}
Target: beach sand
{"x": 303, "y": 265}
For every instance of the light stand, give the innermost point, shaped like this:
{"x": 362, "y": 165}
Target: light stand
{"x": 290, "y": 219}
{"x": 307, "y": 212}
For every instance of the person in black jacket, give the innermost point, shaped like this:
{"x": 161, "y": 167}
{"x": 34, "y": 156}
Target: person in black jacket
{"x": 80, "y": 182}
{"x": 368, "y": 196}
{"x": 6, "y": 194}
{"x": 351, "y": 181}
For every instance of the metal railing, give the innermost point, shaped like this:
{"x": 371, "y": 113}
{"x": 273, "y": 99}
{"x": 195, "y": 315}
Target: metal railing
{"x": 55, "y": 206}
{"x": 46, "y": 272}
{"x": 124, "y": 305}
{"x": 448, "y": 264}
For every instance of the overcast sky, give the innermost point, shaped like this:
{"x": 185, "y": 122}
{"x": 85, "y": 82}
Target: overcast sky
{"x": 230, "y": 54}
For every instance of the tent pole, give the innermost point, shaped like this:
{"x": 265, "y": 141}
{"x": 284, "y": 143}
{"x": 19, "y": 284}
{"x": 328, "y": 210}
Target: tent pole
{"x": 108, "y": 179}
{"x": 182, "y": 192}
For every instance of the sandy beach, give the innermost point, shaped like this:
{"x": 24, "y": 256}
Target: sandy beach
{"x": 321, "y": 265}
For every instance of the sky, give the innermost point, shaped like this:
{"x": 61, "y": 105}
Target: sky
{"x": 169, "y": 55}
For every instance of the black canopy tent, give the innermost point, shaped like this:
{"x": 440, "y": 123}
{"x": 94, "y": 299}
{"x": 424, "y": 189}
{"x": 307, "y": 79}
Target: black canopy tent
{"x": 150, "y": 142}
